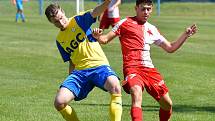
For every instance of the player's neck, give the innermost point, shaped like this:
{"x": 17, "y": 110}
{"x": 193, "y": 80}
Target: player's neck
{"x": 140, "y": 21}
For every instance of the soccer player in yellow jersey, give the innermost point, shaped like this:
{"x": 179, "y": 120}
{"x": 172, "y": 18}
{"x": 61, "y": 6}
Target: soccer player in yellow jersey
{"x": 88, "y": 65}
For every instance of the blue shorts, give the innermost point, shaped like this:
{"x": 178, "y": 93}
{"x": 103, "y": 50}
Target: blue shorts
{"x": 81, "y": 82}
{"x": 19, "y": 5}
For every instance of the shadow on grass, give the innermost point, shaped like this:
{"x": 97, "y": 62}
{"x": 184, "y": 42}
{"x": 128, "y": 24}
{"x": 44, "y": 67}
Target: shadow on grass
{"x": 192, "y": 108}
{"x": 176, "y": 108}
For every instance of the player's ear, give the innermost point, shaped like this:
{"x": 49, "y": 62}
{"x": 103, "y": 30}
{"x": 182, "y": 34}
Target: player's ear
{"x": 135, "y": 8}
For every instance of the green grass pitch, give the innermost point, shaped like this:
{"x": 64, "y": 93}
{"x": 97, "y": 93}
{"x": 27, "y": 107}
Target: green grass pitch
{"x": 31, "y": 68}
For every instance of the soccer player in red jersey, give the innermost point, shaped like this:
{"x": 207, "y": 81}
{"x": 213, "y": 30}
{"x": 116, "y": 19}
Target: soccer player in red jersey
{"x": 136, "y": 35}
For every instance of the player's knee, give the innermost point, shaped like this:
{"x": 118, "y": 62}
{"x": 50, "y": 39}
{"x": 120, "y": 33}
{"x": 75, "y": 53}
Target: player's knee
{"x": 167, "y": 105}
{"x": 136, "y": 94}
{"x": 136, "y": 91}
{"x": 115, "y": 89}
{"x": 59, "y": 104}
{"x": 113, "y": 85}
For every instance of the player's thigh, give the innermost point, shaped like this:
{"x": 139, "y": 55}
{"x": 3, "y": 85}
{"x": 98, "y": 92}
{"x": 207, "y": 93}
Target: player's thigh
{"x": 64, "y": 95}
{"x": 131, "y": 80}
{"x": 19, "y": 6}
{"x": 105, "y": 78}
{"x": 112, "y": 84}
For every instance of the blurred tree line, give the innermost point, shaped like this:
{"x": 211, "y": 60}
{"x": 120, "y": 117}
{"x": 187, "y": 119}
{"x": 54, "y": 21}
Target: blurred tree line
{"x": 174, "y": 1}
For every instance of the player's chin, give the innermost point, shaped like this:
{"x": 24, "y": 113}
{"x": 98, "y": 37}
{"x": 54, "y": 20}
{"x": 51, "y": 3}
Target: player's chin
{"x": 62, "y": 27}
{"x": 143, "y": 20}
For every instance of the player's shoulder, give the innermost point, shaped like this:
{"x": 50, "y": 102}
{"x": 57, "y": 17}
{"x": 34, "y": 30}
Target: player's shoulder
{"x": 151, "y": 27}
{"x": 122, "y": 20}
{"x": 85, "y": 15}
{"x": 84, "y": 12}
{"x": 120, "y": 23}
{"x": 60, "y": 36}
{"x": 125, "y": 20}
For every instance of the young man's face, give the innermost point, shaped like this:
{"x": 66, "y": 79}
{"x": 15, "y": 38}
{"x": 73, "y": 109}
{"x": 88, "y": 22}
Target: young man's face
{"x": 143, "y": 12}
{"x": 60, "y": 20}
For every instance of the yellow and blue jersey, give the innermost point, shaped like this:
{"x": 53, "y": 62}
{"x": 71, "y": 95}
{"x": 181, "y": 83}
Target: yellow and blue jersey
{"x": 77, "y": 44}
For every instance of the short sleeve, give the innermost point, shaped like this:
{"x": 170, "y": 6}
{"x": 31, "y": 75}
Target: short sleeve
{"x": 65, "y": 56}
{"x": 85, "y": 20}
{"x": 157, "y": 37}
{"x": 116, "y": 29}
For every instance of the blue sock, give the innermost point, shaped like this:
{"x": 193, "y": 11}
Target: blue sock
{"x": 23, "y": 16}
{"x": 17, "y": 16}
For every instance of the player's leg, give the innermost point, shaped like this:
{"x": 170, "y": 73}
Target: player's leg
{"x": 63, "y": 97}
{"x": 159, "y": 91}
{"x": 22, "y": 16}
{"x": 113, "y": 86}
{"x": 165, "y": 107}
{"x": 22, "y": 13}
{"x": 70, "y": 90}
{"x": 17, "y": 15}
{"x": 105, "y": 78}
{"x": 134, "y": 86}
{"x": 136, "y": 106}
{"x": 104, "y": 22}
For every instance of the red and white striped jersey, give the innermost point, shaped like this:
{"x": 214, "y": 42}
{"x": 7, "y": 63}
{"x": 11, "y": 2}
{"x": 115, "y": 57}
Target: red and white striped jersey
{"x": 135, "y": 39}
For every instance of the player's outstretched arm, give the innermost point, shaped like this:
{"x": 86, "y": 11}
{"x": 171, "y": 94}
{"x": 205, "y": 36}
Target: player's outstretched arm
{"x": 175, "y": 45}
{"x": 103, "y": 38}
{"x": 100, "y": 9}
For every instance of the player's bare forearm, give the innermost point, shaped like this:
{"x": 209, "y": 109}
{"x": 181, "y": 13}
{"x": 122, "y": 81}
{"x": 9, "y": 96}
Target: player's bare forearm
{"x": 188, "y": 33}
{"x": 173, "y": 46}
{"x": 100, "y": 9}
{"x": 103, "y": 38}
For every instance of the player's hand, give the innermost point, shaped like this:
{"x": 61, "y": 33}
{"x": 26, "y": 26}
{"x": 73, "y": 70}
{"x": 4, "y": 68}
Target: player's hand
{"x": 97, "y": 33}
{"x": 191, "y": 30}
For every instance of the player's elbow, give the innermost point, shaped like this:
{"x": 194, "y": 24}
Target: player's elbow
{"x": 103, "y": 42}
{"x": 170, "y": 50}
